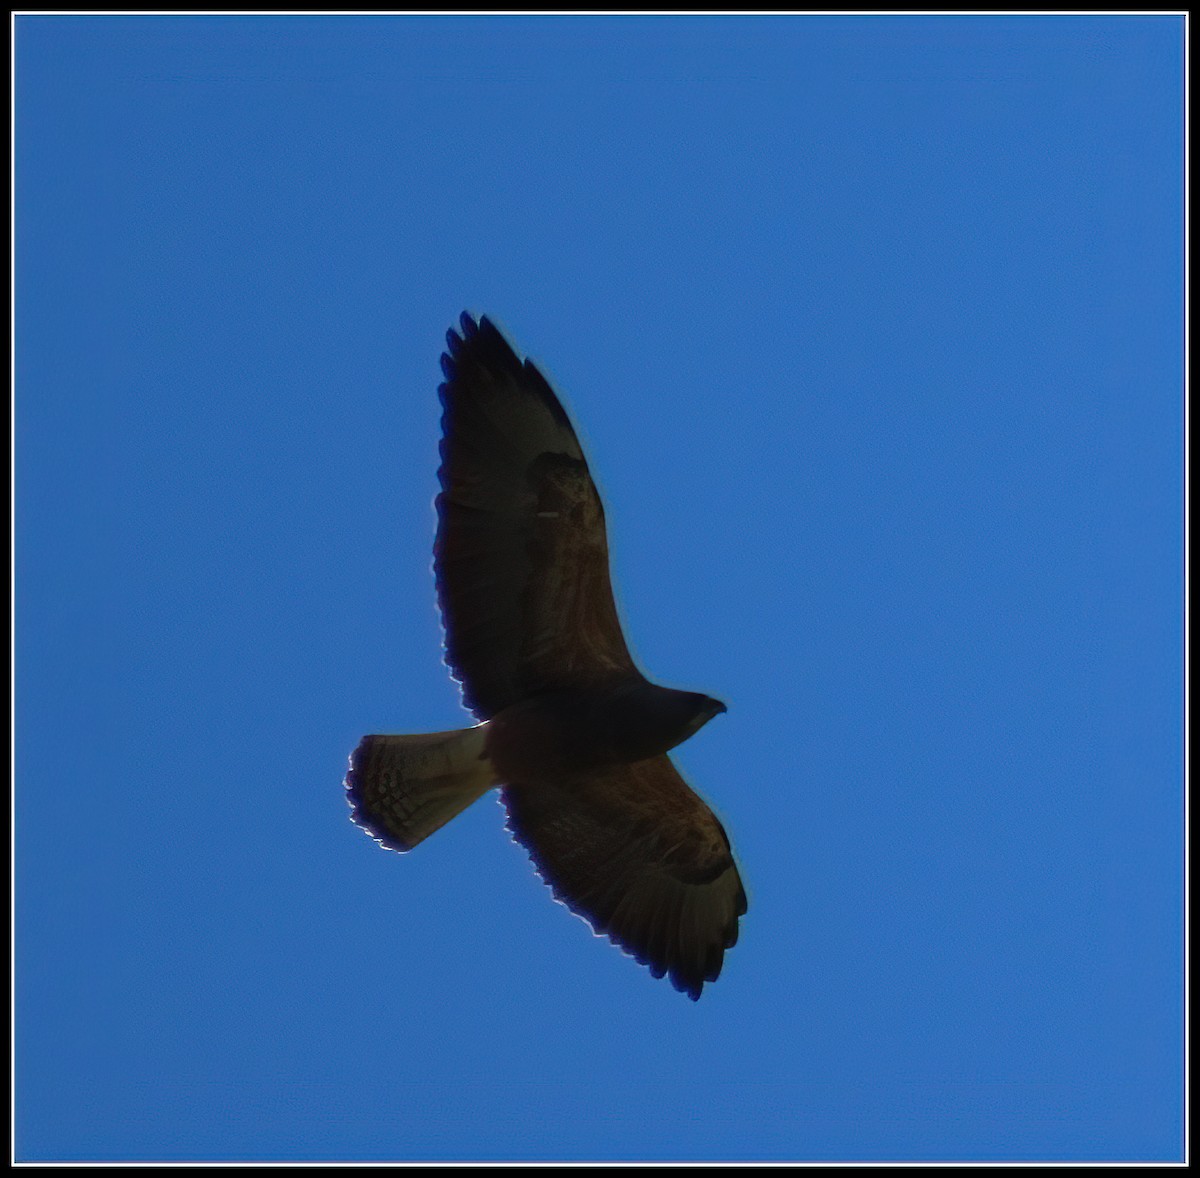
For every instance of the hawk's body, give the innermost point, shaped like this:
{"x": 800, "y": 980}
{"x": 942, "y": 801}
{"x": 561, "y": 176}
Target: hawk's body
{"x": 570, "y": 729}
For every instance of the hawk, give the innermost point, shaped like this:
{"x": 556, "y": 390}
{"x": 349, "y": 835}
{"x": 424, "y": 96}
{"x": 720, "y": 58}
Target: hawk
{"x": 572, "y": 733}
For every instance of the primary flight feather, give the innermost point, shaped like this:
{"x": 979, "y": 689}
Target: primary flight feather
{"x": 570, "y": 730}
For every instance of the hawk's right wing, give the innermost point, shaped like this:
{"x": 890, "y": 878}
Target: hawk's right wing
{"x": 521, "y": 557}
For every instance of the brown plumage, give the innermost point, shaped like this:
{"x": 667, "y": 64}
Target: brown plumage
{"x": 570, "y": 729}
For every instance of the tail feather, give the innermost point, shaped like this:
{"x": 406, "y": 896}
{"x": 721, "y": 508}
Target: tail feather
{"x": 403, "y": 788}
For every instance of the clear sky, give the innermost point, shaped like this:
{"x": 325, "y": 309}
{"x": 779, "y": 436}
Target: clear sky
{"x": 872, "y": 329}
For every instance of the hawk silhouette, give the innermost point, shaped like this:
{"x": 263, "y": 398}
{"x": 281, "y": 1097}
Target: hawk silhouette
{"x": 569, "y": 729}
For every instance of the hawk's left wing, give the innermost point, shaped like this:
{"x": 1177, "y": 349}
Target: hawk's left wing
{"x": 638, "y": 854}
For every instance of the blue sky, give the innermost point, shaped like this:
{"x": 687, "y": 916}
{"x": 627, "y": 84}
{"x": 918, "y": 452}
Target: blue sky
{"x": 872, "y": 329}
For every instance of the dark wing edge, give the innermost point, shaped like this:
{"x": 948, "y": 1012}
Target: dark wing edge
{"x": 639, "y": 856}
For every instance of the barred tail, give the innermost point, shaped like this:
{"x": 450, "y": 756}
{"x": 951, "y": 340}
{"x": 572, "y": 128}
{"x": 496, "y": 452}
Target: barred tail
{"x": 403, "y": 788}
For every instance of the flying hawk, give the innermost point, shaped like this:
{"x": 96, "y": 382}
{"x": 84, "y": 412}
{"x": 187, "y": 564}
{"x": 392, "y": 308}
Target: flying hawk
{"x": 569, "y": 728}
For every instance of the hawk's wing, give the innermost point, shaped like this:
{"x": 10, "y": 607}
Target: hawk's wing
{"x": 521, "y": 558}
{"x": 640, "y": 856}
